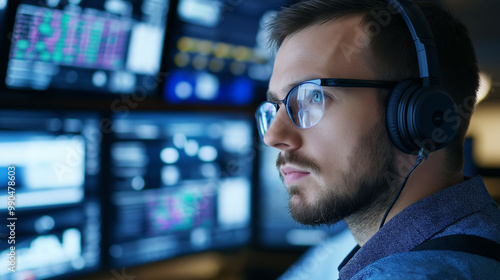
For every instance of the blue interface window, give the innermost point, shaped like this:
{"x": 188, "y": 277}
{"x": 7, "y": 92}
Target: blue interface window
{"x": 218, "y": 52}
{"x": 181, "y": 183}
{"x": 57, "y": 211}
{"x": 90, "y": 46}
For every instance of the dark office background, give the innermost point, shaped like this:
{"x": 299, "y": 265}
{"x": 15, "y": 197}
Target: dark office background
{"x": 130, "y": 126}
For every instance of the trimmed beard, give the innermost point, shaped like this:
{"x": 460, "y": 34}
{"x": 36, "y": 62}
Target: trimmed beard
{"x": 370, "y": 191}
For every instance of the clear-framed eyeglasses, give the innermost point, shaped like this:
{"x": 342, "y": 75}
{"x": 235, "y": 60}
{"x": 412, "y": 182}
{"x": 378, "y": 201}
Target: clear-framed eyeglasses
{"x": 305, "y": 102}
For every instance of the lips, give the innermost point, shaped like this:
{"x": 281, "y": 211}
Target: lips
{"x": 291, "y": 175}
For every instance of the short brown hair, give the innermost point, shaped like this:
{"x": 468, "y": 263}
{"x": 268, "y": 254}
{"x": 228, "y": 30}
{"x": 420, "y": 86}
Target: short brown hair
{"x": 391, "y": 53}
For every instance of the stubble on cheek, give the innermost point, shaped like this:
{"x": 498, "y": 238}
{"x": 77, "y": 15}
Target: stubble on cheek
{"x": 361, "y": 186}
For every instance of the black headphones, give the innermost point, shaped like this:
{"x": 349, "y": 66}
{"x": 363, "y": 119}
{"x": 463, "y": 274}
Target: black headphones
{"x": 420, "y": 113}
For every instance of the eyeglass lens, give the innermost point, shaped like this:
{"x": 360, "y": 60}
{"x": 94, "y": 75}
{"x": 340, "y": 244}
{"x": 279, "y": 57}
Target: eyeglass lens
{"x": 304, "y": 104}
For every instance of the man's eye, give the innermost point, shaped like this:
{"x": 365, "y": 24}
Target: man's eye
{"x": 317, "y": 97}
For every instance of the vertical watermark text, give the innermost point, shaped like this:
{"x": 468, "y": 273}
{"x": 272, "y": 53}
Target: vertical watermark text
{"x": 11, "y": 218}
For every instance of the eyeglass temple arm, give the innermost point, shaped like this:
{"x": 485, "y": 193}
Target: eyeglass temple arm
{"x": 356, "y": 83}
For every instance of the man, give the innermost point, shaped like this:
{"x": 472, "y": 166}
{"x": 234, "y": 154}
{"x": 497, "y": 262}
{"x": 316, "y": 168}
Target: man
{"x": 337, "y": 159}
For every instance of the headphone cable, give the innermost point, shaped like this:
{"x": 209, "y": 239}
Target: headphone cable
{"x": 422, "y": 155}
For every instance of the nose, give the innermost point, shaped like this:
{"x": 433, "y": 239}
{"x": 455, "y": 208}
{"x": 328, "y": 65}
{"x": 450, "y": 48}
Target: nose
{"x": 282, "y": 134}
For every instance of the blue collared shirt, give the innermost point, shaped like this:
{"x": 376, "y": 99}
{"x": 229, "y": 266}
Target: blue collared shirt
{"x": 466, "y": 208}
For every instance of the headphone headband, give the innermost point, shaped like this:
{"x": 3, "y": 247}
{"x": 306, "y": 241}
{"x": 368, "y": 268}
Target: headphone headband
{"x": 421, "y": 113}
{"x": 423, "y": 38}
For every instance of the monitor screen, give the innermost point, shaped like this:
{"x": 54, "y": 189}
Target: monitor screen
{"x": 276, "y": 228}
{"x": 50, "y": 195}
{"x": 111, "y": 46}
{"x": 218, "y": 52}
{"x": 3, "y": 5}
{"x": 181, "y": 183}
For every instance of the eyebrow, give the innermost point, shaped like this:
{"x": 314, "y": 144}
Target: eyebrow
{"x": 271, "y": 97}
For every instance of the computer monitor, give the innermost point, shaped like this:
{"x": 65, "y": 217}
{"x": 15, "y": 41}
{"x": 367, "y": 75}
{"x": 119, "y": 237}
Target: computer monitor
{"x": 87, "y": 47}
{"x": 49, "y": 166}
{"x": 181, "y": 183}
{"x": 218, "y": 52}
{"x": 276, "y": 229}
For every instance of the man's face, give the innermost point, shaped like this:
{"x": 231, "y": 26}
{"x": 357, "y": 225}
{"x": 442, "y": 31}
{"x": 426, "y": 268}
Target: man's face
{"x": 336, "y": 167}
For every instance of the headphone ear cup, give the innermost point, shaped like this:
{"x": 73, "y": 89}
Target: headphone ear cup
{"x": 432, "y": 118}
{"x": 396, "y": 115}
{"x": 421, "y": 116}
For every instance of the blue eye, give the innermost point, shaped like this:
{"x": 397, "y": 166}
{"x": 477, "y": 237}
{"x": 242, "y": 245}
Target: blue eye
{"x": 317, "y": 96}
